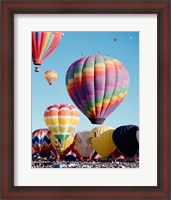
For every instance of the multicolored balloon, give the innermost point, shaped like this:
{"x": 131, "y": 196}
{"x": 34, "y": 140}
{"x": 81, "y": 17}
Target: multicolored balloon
{"x": 41, "y": 142}
{"x": 126, "y": 139}
{"x": 101, "y": 140}
{"x": 43, "y": 44}
{"x": 50, "y": 76}
{"x": 61, "y": 120}
{"x": 97, "y": 85}
{"x": 82, "y": 145}
{"x": 63, "y": 149}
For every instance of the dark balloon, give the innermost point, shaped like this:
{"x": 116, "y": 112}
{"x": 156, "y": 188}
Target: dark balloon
{"x": 125, "y": 139}
{"x": 115, "y": 39}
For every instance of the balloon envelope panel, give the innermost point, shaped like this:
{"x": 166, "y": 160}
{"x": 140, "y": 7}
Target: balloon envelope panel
{"x": 125, "y": 139}
{"x": 101, "y": 140}
{"x": 97, "y": 85}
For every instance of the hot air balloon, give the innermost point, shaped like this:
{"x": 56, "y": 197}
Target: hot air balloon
{"x": 82, "y": 145}
{"x": 115, "y": 39}
{"x": 61, "y": 120}
{"x": 97, "y": 85}
{"x": 125, "y": 139}
{"x": 41, "y": 142}
{"x": 50, "y": 76}
{"x": 43, "y": 44}
{"x": 65, "y": 147}
{"x": 101, "y": 140}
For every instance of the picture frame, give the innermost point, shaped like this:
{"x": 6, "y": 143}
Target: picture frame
{"x": 9, "y": 9}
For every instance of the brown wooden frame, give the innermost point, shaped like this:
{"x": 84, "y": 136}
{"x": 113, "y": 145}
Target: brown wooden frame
{"x": 11, "y": 7}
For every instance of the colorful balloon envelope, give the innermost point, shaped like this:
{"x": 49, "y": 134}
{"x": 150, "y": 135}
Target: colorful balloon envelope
{"x": 50, "y": 76}
{"x": 43, "y": 44}
{"x": 101, "y": 140}
{"x": 82, "y": 145}
{"x": 97, "y": 85}
{"x": 63, "y": 149}
{"x": 61, "y": 120}
{"x": 125, "y": 139}
{"x": 41, "y": 142}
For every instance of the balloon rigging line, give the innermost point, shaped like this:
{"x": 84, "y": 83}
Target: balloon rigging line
{"x": 62, "y": 94}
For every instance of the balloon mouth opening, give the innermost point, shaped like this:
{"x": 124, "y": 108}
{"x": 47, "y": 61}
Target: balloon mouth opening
{"x": 37, "y": 61}
{"x": 97, "y": 120}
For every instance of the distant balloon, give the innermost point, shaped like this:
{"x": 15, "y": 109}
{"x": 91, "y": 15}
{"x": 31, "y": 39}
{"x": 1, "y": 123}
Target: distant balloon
{"x": 50, "y": 76}
{"x": 125, "y": 139}
{"x": 43, "y": 44}
{"x": 97, "y": 85}
{"x": 115, "y": 39}
{"x": 82, "y": 145}
{"x": 61, "y": 120}
{"x": 101, "y": 140}
{"x": 82, "y": 53}
{"x": 41, "y": 142}
{"x": 99, "y": 52}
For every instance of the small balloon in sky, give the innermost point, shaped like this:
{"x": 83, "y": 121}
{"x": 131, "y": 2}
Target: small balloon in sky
{"x": 82, "y": 53}
{"x": 50, "y": 76}
{"x": 99, "y": 52}
{"x": 115, "y": 39}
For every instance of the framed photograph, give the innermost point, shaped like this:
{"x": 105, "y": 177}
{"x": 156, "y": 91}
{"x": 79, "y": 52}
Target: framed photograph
{"x": 92, "y": 35}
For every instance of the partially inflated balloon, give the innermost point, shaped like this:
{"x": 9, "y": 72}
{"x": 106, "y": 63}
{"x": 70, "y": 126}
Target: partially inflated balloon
{"x": 50, "y": 76}
{"x": 97, "y": 85}
{"x": 82, "y": 145}
{"x": 61, "y": 120}
{"x": 64, "y": 148}
{"x": 41, "y": 142}
{"x": 101, "y": 140}
{"x": 43, "y": 44}
{"x": 125, "y": 139}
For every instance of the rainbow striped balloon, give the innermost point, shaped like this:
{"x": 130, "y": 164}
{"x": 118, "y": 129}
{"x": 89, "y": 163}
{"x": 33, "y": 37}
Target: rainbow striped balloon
{"x": 97, "y": 85}
{"x": 43, "y": 44}
{"x": 61, "y": 120}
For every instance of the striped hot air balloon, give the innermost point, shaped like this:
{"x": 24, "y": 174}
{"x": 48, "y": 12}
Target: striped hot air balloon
{"x": 61, "y": 120}
{"x": 41, "y": 142}
{"x": 50, "y": 76}
{"x": 64, "y": 148}
{"x": 43, "y": 44}
{"x": 97, "y": 85}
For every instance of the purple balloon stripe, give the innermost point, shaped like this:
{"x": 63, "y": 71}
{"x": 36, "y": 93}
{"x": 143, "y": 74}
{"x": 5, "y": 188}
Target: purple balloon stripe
{"x": 81, "y": 90}
{"x": 99, "y": 92}
{"x": 119, "y": 82}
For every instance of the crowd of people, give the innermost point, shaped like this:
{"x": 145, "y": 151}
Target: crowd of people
{"x": 71, "y": 162}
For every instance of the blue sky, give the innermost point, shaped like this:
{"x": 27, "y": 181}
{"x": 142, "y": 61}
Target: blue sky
{"x": 70, "y": 48}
